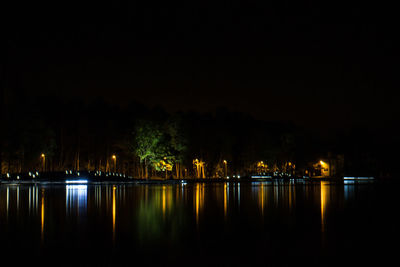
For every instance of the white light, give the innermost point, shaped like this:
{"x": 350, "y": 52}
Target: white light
{"x": 77, "y": 187}
{"x": 261, "y": 176}
{"x": 37, "y": 174}
{"x": 358, "y": 178}
{"x": 78, "y": 173}
{"x": 30, "y": 174}
{"x": 17, "y": 177}
{"x": 227, "y": 177}
{"x": 239, "y": 176}
{"x": 33, "y": 176}
{"x": 66, "y": 172}
{"x": 8, "y": 175}
{"x": 70, "y": 172}
{"x": 76, "y": 181}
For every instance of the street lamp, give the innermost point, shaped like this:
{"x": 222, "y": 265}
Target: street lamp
{"x": 43, "y": 156}
{"x": 226, "y": 168}
{"x": 115, "y": 162}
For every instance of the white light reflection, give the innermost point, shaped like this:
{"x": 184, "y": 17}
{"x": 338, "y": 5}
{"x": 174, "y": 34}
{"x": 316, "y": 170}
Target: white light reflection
{"x": 76, "y": 198}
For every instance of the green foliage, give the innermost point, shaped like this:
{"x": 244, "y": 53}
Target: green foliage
{"x": 147, "y": 139}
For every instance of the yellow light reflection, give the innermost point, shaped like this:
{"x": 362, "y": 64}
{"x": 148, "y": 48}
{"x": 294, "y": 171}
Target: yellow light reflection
{"x": 42, "y": 218}
{"x": 261, "y": 199}
{"x": 324, "y": 195}
{"x": 163, "y": 200}
{"x": 199, "y": 200}
{"x": 113, "y": 211}
{"x": 225, "y": 200}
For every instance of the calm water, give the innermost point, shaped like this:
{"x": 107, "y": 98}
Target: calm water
{"x": 264, "y": 223}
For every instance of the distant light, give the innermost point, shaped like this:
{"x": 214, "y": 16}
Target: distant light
{"x": 76, "y": 181}
{"x": 30, "y": 174}
{"x": 239, "y": 176}
{"x": 8, "y": 175}
{"x": 17, "y": 177}
{"x": 227, "y": 177}
{"x": 358, "y": 178}
{"x": 66, "y": 172}
{"x": 234, "y": 176}
{"x": 33, "y": 176}
{"x": 70, "y": 172}
{"x": 43, "y": 155}
{"x": 78, "y": 173}
{"x": 37, "y": 174}
{"x": 261, "y": 176}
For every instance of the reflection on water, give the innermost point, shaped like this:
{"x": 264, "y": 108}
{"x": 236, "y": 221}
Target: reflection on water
{"x": 42, "y": 217}
{"x": 180, "y": 217}
{"x": 76, "y": 199}
{"x": 324, "y": 202}
{"x": 114, "y": 211}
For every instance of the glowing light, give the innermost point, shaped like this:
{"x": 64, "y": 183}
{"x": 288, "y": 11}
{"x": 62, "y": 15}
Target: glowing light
{"x": 114, "y": 157}
{"x": 261, "y": 176}
{"x": 114, "y": 210}
{"x": 42, "y": 217}
{"x": 324, "y": 195}
{"x": 225, "y": 200}
{"x": 76, "y": 181}
{"x": 77, "y": 187}
{"x": 358, "y": 178}
{"x": 163, "y": 199}
{"x": 8, "y": 175}
{"x": 43, "y": 155}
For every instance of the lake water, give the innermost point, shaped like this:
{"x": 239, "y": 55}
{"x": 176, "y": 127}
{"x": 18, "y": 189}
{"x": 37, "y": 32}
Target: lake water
{"x": 200, "y": 224}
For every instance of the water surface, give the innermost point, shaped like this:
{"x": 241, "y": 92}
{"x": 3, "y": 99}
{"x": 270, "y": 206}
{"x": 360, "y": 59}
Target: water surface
{"x": 200, "y": 224}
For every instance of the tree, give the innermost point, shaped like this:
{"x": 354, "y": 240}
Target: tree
{"x": 147, "y": 138}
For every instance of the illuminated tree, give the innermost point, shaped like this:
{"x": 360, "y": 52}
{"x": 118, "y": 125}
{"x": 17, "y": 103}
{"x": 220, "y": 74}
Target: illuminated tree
{"x": 147, "y": 140}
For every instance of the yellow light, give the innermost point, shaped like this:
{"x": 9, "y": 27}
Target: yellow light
{"x": 322, "y": 163}
{"x": 42, "y": 217}
{"x": 114, "y": 210}
{"x": 114, "y": 157}
{"x": 43, "y": 155}
{"x": 225, "y": 162}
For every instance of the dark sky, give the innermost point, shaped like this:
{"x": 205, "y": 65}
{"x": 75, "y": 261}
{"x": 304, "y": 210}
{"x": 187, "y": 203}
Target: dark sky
{"x": 329, "y": 65}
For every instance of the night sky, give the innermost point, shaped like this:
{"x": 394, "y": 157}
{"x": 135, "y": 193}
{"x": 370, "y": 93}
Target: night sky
{"x": 320, "y": 65}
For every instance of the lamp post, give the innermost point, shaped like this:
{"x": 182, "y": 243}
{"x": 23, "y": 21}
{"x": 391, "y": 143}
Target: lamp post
{"x": 43, "y": 162}
{"x": 226, "y": 168}
{"x": 115, "y": 162}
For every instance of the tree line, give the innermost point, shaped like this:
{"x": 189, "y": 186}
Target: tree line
{"x": 143, "y": 142}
